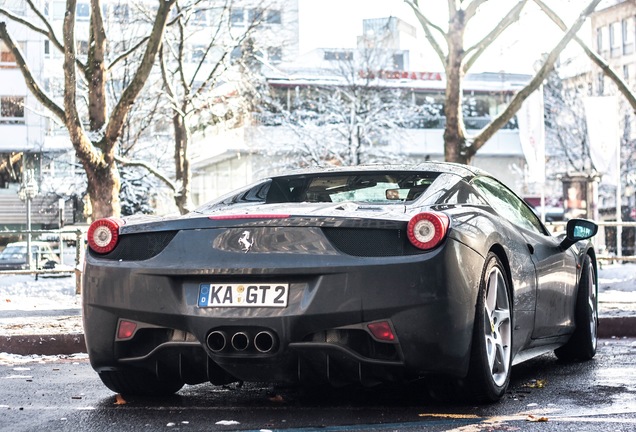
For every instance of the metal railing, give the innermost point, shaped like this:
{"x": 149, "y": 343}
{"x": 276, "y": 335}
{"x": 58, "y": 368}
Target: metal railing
{"x": 62, "y": 236}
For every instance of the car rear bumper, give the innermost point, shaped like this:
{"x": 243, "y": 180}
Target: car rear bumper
{"x": 321, "y": 334}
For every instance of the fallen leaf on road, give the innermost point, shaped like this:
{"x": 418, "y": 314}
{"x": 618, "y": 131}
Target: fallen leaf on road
{"x": 535, "y": 384}
{"x": 276, "y": 398}
{"x": 119, "y": 400}
{"x": 533, "y": 418}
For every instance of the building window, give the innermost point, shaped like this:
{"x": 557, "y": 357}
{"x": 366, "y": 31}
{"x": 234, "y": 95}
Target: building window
{"x": 615, "y": 45}
{"x": 601, "y": 84}
{"x": 626, "y": 72}
{"x": 7, "y": 59}
{"x": 12, "y": 109}
{"x": 275, "y": 54}
{"x": 273, "y": 17}
{"x": 47, "y": 48}
{"x": 59, "y": 9}
{"x": 338, "y": 55}
{"x": 237, "y": 17}
{"x": 82, "y": 48}
{"x": 18, "y": 7}
{"x": 254, "y": 15}
{"x": 200, "y": 17}
{"x": 120, "y": 12}
{"x": 236, "y": 53}
{"x": 628, "y": 35}
{"x": 599, "y": 40}
{"x": 198, "y": 53}
{"x": 82, "y": 12}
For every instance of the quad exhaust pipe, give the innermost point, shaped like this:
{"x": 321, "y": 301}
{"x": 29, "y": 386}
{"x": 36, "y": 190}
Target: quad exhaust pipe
{"x": 263, "y": 342}
{"x": 217, "y": 341}
{"x": 240, "y": 341}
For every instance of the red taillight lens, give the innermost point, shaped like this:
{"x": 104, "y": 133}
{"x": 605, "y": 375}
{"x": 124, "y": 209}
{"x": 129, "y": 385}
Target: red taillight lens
{"x": 103, "y": 235}
{"x": 427, "y": 230}
{"x": 382, "y": 330}
{"x": 126, "y": 329}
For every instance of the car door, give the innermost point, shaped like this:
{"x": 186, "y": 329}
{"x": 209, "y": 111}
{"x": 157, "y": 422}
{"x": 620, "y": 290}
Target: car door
{"x": 556, "y": 281}
{"x": 555, "y": 269}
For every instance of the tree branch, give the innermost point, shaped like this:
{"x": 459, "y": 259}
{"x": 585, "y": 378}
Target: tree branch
{"x": 154, "y": 171}
{"x": 120, "y": 111}
{"x": 597, "y": 59}
{"x": 478, "y": 49}
{"x": 471, "y": 9}
{"x": 427, "y": 25}
{"x": 81, "y": 143}
{"x": 29, "y": 79}
{"x": 486, "y": 133}
{"x": 137, "y": 46}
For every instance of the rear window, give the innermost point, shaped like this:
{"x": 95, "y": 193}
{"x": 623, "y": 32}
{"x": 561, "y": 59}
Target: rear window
{"x": 372, "y": 188}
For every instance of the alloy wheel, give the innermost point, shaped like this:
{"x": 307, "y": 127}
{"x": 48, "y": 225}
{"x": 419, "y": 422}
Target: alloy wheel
{"x": 497, "y": 328}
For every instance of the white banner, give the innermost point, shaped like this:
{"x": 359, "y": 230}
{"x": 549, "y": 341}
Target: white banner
{"x": 601, "y": 114}
{"x": 532, "y": 135}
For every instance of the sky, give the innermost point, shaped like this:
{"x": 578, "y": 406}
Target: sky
{"x": 337, "y": 23}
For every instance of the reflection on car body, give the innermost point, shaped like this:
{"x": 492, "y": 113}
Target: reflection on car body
{"x": 435, "y": 272}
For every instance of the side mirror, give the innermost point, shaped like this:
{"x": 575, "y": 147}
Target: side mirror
{"x": 576, "y": 230}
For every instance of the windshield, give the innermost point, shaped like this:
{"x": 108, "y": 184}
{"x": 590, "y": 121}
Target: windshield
{"x": 13, "y": 253}
{"x": 358, "y": 187}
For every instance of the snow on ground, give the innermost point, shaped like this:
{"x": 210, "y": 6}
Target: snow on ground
{"x": 23, "y": 292}
{"x": 48, "y": 305}
{"x": 617, "y": 289}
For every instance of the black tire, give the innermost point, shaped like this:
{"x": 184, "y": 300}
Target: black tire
{"x": 491, "y": 352}
{"x": 582, "y": 344}
{"x": 139, "y": 382}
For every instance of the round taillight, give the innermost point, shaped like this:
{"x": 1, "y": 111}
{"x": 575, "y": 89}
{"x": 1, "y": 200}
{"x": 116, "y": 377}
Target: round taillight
{"x": 103, "y": 235}
{"x": 427, "y": 230}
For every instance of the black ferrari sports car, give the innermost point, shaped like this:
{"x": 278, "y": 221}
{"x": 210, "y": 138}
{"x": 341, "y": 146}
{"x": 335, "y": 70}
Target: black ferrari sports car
{"x": 436, "y": 272}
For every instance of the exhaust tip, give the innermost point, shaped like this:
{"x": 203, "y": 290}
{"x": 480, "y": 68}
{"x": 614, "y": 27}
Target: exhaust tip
{"x": 264, "y": 342}
{"x": 240, "y": 341}
{"x": 217, "y": 341}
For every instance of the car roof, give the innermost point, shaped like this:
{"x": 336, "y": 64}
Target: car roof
{"x": 440, "y": 167}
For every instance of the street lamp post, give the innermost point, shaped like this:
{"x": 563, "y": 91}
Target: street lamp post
{"x": 28, "y": 191}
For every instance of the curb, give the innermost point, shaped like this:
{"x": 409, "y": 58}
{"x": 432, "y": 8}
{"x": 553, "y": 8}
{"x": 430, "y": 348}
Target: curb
{"x": 65, "y": 344}
{"x": 55, "y": 344}
{"x": 609, "y": 327}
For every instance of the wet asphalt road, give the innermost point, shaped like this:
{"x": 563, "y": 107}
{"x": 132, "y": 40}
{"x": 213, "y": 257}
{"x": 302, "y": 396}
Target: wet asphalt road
{"x": 66, "y": 395}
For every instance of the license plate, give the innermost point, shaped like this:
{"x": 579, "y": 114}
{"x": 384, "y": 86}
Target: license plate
{"x": 244, "y": 295}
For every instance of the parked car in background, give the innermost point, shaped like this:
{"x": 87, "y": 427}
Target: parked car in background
{"x": 14, "y": 256}
{"x": 436, "y": 272}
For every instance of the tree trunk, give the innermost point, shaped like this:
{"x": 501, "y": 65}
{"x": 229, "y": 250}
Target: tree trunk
{"x": 103, "y": 189}
{"x": 454, "y": 132}
{"x": 183, "y": 173}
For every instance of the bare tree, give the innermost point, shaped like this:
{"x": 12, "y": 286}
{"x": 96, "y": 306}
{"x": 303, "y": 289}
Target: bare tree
{"x": 194, "y": 68}
{"x": 458, "y": 59}
{"x": 95, "y": 140}
{"x": 349, "y": 122}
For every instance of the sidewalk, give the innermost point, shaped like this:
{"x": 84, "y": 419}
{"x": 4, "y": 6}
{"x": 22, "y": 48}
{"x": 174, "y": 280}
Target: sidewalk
{"x": 43, "y": 317}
